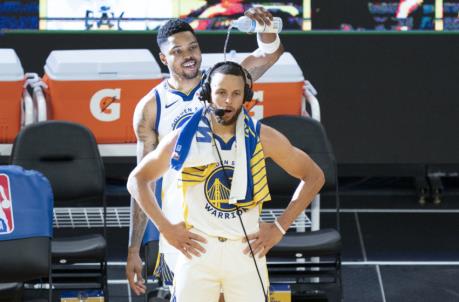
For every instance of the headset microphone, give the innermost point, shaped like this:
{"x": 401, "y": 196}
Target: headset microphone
{"x": 219, "y": 112}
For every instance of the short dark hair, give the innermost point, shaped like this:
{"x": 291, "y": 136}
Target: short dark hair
{"x": 170, "y": 28}
{"x": 229, "y": 67}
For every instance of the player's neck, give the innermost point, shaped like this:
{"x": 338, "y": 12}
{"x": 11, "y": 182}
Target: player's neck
{"x": 183, "y": 85}
{"x": 223, "y": 131}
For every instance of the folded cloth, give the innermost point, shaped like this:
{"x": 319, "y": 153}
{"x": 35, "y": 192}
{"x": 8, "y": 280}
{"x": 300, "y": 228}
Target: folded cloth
{"x": 194, "y": 148}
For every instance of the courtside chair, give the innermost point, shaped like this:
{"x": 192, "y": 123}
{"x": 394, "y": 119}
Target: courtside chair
{"x": 308, "y": 257}
{"x": 26, "y": 221}
{"x": 67, "y": 154}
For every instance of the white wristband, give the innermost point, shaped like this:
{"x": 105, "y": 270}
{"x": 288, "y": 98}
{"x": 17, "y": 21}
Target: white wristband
{"x": 268, "y": 48}
{"x": 279, "y": 227}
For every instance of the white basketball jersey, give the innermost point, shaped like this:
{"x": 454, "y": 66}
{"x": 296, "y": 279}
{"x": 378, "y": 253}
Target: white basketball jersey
{"x": 173, "y": 109}
{"x": 206, "y": 190}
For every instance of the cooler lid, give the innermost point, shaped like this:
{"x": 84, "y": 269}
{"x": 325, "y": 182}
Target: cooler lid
{"x": 102, "y": 64}
{"x": 285, "y": 70}
{"x": 10, "y": 66}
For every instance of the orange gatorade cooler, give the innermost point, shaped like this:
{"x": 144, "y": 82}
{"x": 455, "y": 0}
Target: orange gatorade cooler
{"x": 11, "y": 87}
{"x": 278, "y": 91}
{"x": 100, "y": 89}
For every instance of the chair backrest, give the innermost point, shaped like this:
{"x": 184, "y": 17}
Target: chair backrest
{"x": 26, "y": 218}
{"x": 308, "y": 135}
{"x": 67, "y": 154}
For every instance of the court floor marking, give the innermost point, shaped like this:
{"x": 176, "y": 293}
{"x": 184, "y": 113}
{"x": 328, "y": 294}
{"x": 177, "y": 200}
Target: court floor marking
{"x": 421, "y": 211}
{"x": 381, "y": 286}
{"x": 356, "y": 263}
{"x": 401, "y": 263}
{"x": 359, "y": 231}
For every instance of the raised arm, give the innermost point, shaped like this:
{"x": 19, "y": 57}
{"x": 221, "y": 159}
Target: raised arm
{"x": 298, "y": 164}
{"x": 144, "y": 127}
{"x": 259, "y": 61}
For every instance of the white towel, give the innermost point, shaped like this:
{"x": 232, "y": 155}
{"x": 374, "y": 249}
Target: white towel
{"x": 239, "y": 182}
{"x": 204, "y": 154}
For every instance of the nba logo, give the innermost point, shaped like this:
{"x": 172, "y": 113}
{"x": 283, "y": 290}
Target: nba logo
{"x": 6, "y": 206}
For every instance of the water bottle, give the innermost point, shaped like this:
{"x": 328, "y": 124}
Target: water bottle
{"x": 245, "y": 24}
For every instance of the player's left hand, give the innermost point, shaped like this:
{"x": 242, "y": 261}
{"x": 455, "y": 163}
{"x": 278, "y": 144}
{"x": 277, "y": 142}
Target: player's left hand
{"x": 259, "y": 14}
{"x": 262, "y": 241}
{"x": 134, "y": 269}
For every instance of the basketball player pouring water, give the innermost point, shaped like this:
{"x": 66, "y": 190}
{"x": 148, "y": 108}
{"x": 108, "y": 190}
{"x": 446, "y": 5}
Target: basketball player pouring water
{"x": 167, "y": 107}
{"x": 219, "y": 156}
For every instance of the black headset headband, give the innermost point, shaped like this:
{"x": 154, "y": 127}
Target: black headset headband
{"x": 205, "y": 94}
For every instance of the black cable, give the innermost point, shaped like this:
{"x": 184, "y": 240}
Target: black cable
{"x": 238, "y": 211}
{"x": 251, "y": 252}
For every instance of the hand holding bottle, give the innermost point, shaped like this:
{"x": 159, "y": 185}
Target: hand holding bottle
{"x": 258, "y": 19}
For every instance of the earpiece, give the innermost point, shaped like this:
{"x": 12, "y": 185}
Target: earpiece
{"x": 205, "y": 93}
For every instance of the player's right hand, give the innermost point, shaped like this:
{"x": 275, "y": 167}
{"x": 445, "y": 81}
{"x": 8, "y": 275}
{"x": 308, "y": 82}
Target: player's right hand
{"x": 134, "y": 272}
{"x": 259, "y": 14}
{"x": 188, "y": 243}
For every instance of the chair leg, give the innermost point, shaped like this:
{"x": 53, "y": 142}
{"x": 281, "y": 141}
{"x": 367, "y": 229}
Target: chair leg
{"x": 50, "y": 290}
{"x": 105, "y": 281}
{"x": 50, "y": 274}
{"x": 339, "y": 280}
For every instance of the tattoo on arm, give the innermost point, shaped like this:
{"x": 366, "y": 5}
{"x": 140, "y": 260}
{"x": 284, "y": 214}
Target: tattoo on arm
{"x": 147, "y": 142}
{"x": 258, "y": 62}
{"x": 257, "y": 71}
{"x": 137, "y": 226}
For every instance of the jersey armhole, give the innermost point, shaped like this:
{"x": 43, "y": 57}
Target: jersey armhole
{"x": 158, "y": 110}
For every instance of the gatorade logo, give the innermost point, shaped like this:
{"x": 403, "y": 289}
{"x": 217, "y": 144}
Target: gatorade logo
{"x": 105, "y": 105}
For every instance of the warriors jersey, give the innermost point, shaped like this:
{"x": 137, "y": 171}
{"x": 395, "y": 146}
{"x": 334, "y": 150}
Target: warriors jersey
{"x": 206, "y": 190}
{"x": 173, "y": 109}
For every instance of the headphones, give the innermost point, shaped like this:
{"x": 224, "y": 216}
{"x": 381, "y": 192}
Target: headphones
{"x": 205, "y": 96}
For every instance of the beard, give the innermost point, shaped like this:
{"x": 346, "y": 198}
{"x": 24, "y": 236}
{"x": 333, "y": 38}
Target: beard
{"x": 231, "y": 121}
{"x": 188, "y": 74}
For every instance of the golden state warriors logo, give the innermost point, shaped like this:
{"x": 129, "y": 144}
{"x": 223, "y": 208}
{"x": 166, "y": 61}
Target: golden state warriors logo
{"x": 181, "y": 121}
{"x": 218, "y": 187}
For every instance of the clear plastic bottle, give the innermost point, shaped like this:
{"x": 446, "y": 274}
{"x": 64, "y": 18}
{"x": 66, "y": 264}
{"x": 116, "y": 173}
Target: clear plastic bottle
{"x": 245, "y": 24}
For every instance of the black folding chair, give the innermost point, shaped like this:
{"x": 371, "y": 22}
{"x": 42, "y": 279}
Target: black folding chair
{"x": 67, "y": 154}
{"x": 308, "y": 260}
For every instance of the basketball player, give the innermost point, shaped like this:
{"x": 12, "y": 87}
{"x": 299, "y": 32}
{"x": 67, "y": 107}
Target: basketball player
{"x": 206, "y": 152}
{"x": 169, "y": 105}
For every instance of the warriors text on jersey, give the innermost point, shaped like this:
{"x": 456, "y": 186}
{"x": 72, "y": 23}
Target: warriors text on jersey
{"x": 206, "y": 190}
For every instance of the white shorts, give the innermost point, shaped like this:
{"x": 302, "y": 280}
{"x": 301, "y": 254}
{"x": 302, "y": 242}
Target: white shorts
{"x": 171, "y": 259}
{"x": 223, "y": 267}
